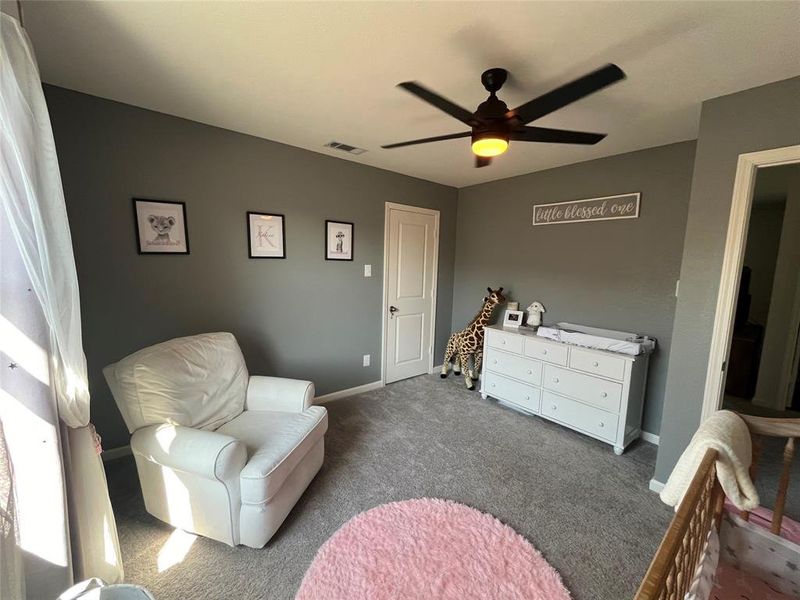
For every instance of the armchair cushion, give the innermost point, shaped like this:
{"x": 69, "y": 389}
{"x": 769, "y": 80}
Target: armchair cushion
{"x": 276, "y": 443}
{"x": 209, "y": 454}
{"x": 198, "y": 381}
{"x": 278, "y": 393}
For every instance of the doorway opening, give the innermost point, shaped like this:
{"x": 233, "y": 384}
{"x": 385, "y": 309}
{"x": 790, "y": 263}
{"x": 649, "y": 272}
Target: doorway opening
{"x": 763, "y": 353}
{"x": 747, "y": 170}
{"x": 753, "y": 362}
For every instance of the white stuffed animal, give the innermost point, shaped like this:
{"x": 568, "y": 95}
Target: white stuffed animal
{"x": 535, "y": 311}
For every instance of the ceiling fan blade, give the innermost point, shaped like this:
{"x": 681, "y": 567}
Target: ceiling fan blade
{"x": 438, "y": 138}
{"x": 567, "y": 94}
{"x": 482, "y": 161}
{"x": 443, "y": 104}
{"x": 555, "y": 136}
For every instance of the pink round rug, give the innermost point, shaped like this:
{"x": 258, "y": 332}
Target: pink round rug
{"x": 432, "y": 549}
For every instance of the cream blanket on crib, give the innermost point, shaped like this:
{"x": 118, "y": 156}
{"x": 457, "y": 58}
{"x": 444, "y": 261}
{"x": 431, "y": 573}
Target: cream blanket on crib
{"x": 726, "y": 433}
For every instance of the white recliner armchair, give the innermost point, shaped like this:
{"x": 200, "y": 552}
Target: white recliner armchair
{"x": 219, "y": 453}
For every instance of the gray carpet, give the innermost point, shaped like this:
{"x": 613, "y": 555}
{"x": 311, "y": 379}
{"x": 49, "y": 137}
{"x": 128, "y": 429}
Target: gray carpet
{"x": 588, "y": 511}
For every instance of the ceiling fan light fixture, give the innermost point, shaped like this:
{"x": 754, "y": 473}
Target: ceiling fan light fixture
{"x": 492, "y": 125}
{"x": 489, "y": 144}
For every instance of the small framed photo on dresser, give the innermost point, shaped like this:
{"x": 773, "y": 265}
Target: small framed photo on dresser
{"x": 339, "y": 237}
{"x": 160, "y": 226}
{"x": 266, "y": 235}
{"x": 513, "y": 318}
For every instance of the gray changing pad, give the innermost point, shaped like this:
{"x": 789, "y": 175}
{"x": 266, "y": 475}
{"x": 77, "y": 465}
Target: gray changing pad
{"x": 599, "y": 339}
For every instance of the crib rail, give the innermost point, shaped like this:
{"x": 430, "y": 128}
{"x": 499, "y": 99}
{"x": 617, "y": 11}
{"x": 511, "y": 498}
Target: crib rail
{"x": 672, "y": 569}
{"x": 778, "y": 428}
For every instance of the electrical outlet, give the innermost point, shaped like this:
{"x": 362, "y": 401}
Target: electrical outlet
{"x": 367, "y": 270}
{"x": 366, "y": 360}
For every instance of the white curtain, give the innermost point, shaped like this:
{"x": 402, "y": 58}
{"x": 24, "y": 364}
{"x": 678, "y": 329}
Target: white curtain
{"x": 12, "y": 580}
{"x": 32, "y": 201}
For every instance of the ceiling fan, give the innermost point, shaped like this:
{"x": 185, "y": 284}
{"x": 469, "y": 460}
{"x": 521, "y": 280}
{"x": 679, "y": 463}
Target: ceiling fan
{"x": 494, "y": 125}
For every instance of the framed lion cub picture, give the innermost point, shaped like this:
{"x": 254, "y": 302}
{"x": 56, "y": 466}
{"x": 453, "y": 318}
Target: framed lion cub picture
{"x": 161, "y": 226}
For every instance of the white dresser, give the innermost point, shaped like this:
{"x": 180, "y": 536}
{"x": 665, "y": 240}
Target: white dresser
{"x": 595, "y": 392}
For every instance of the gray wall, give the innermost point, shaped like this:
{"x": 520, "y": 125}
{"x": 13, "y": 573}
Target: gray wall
{"x": 780, "y": 335}
{"x": 612, "y": 274}
{"x": 300, "y": 317}
{"x": 758, "y": 119}
{"x": 763, "y": 238}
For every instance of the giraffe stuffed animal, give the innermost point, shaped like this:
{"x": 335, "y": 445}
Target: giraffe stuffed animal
{"x": 469, "y": 341}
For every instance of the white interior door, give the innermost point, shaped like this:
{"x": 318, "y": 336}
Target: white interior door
{"x": 410, "y": 290}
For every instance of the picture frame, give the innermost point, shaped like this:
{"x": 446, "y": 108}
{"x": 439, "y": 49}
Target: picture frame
{"x": 160, "y": 226}
{"x": 339, "y": 240}
{"x": 266, "y": 235}
{"x": 513, "y": 318}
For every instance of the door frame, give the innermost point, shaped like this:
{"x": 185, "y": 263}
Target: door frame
{"x": 388, "y": 207}
{"x": 735, "y": 243}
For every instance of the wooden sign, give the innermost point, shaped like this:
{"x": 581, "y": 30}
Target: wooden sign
{"x": 623, "y": 206}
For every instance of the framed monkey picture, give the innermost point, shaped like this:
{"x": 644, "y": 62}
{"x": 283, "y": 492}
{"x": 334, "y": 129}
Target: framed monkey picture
{"x": 339, "y": 240}
{"x": 161, "y": 226}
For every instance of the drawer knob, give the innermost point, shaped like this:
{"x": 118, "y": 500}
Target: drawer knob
{"x": 544, "y": 351}
{"x": 603, "y": 395}
{"x": 503, "y": 342}
{"x": 530, "y": 372}
{"x": 494, "y": 362}
{"x": 527, "y": 397}
{"x": 492, "y": 385}
{"x": 595, "y": 364}
{"x": 555, "y": 407}
{"x": 555, "y": 379}
{"x": 602, "y": 424}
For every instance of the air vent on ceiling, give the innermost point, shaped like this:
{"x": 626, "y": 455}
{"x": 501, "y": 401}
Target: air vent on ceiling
{"x": 345, "y": 147}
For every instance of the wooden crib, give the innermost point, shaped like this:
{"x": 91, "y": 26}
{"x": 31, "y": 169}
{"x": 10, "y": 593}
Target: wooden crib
{"x": 673, "y": 567}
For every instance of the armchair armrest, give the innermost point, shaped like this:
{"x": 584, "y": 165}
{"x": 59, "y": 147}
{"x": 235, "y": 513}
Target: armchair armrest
{"x": 204, "y": 453}
{"x": 278, "y": 393}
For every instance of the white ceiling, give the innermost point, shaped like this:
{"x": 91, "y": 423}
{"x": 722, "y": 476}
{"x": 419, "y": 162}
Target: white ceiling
{"x": 307, "y": 73}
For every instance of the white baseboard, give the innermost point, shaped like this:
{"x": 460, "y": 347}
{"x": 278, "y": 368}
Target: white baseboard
{"x": 656, "y": 486}
{"x": 116, "y": 453}
{"x": 650, "y": 437}
{"x": 436, "y": 369}
{"x": 348, "y": 392}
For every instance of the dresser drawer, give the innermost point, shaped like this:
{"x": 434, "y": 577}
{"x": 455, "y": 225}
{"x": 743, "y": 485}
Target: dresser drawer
{"x": 574, "y": 414}
{"x": 502, "y": 388}
{"x": 598, "y": 364}
{"x": 552, "y": 353}
{"x": 510, "y": 342}
{"x": 597, "y": 392}
{"x": 515, "y": 366}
